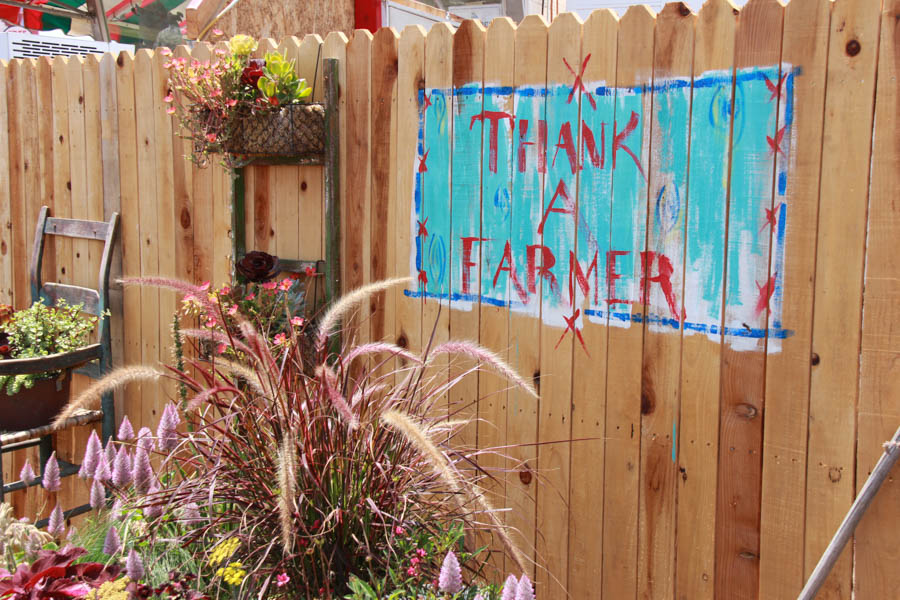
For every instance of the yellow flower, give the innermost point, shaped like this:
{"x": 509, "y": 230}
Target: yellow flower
{"x": 110, "y": 590}
{"x": 233, "y": 574}
{"x": 242, "y": 44}
{"x": 223, "y": 550}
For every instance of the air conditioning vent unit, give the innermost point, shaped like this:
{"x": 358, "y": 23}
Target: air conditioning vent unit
{"x": 29, "y": 45}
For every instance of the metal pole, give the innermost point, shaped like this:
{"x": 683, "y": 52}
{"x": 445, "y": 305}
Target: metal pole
{"x": 845, "y": 531}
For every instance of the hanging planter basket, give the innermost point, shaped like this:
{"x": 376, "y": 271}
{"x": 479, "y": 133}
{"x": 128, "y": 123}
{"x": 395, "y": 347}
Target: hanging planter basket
{"x": 294, "y": 130}
{"x": 36, "y": 406}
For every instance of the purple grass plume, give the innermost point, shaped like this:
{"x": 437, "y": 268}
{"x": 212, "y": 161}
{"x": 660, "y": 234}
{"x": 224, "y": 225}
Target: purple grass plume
{"x": 57, "y": 523}
{"x": 27, "y": 473}
{"x": 145, "y": 439}
{"x": 116, "y": 512}
{"x": 126, "y": 431}
{"x": 134, "y": 566}
{"x": 509, "y": 588}
{"x": 524, "y": 591}
{"x": 50, "y": 480}
{"x": 103, "y": 472}
{"x": 121, "y": 472}
{"x": 112, "y": 544}
{"x": 98, "y": 495}
{"x": 190, "y": 513}
{"x": 91, "y": 457}
{"x": 167, "y": 431}
{"x": 141, "y": 471}
{"x": 450, "y": 580}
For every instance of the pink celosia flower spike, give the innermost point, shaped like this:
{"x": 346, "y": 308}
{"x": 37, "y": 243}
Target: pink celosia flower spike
{"x": 27, "y": 473}
{"x": 111, "y": 544}
{"x": 450, "y": 580}
{"x": 141, "y": 471}
{"x": 509, "y": 588}
{"x": 110, "y": 452}
{"x": 145, "y": 439}
{"x": 524, "y": 591}
{"x": 98, "y": 494}
{"x": 103, "y": 472}
{"x": 126, "y": 431}
{"x": 57, "y": 523}
{"x": 121, "y": 472}
{"x": 134, "y": 566}
{"x": 91, "y": 456}
{"x": 166, "y": 433}
{"x": 50, "y": 480}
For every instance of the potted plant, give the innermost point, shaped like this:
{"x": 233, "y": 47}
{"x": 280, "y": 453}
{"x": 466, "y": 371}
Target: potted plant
{"x": 243, "y": 106}
{"x": 29, "y": 400}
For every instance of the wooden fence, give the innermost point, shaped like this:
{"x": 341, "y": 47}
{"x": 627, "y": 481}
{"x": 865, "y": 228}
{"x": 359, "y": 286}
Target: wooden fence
{"x": 681, "y": 226}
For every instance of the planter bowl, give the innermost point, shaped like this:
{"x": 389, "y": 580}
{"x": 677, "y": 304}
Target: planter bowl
{"x": 291, "y": 131}
{"x": 34, "y": 407}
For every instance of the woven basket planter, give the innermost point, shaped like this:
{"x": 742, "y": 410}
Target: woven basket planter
{"x": 293, "y": 130}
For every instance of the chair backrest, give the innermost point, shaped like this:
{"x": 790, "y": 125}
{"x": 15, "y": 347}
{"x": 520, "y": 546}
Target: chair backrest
{"x": 95, "y": 301}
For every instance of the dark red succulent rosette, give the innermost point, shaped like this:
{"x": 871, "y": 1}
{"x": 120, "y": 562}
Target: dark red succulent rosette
{"x": 258, "y": 267}
{"x": 253, "y": 71}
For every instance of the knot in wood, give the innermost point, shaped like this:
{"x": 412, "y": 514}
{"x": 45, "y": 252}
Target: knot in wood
{"x": 746, "y": 411}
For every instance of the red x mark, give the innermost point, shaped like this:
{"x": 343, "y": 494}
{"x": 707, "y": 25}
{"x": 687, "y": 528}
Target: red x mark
{"x": 422, "y": 166}
{"x": 427, "y": 102}
{"x": 579, "y": 82}
{"x": 775, "y": 89}
{"x": 775, "y": 145}
{"x": 771, "y": 218}
{"x": 423, "y": 231}
{"x": 570, "y": 324}
{"x": 423, "y": 277}
{"x": 765, "y": 294}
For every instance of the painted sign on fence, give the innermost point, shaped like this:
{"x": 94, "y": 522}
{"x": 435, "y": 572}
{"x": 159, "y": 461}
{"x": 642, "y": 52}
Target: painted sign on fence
{"x": 551, "y": 198}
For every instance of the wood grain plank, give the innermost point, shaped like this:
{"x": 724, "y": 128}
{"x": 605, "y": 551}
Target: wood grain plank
{"x": 436, "y": 200}
{"x": 148, "y": 226}
{"x": 806, "y": 26}
{"x": 743, "y": 359}
{"x": 335, "y": 46}
{"x": 836, "y": 333}
{"x": 410, "y": 120}
{"x": 496, "y": 183}
{"x": 660, "y": 381}
{"x": 6, "y": 234}
{"x": 356, "y": 252}
{"x": 131, "y": 218}
{"x": 557, "y": 341}
{"x": 14, "y": 97}
{"x": 383, "y": 107}
{"x": 201, "y": 188}
{"x": 628, "y": 225}
{"x": 44, "y": 98}
{"x": 465, "y": 219}
{"x": 523, "y": 479}
{"x": 586, "y": 485}
{"x": 704, "y": 264}
{"x": 879, "y": 391}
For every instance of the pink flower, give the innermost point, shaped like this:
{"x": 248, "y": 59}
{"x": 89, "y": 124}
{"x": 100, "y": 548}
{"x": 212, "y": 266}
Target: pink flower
{"x": 169, "y": 98}
{"x": 232, "y": 310}
{"x": 415, "y": 560}
{"x": 170, "y": 110}
{"x": 126, "y": 431}
{"x": 220, "y": 349}
{"x": 211, "y": 321}
{"x": 112, "y": 543}
{"x": 280, "y": 339}
{"x": 285, "y": 284}
{"x": 50, "y": 479}
{"x": 57, "y": 522}
{"x": 27, "y": 473}
{"x": 450, "y": 581}
{"x": 215, "y": 93}
{"x": 299, "y": 322}
{"x": 220, "y": 52}
{"x": 98, "y": 495}
{"x": 217, "y": 32}
{"x": 411, "y": 571}
{"x": 282, "y": 579}
{"x": 310, "y": 271}
{"x": 250, "y": 296}
{"x": 165, "y": 51}
{"x": 211, "y": 137}
{"x": 225, "y": 290}
{"x": 204, "y": 286}
{"x": 421, "y": 552}
{"x": 398, "y": 530}
{"x": 231, "y": 102}
{"x": 269, "y": 285}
